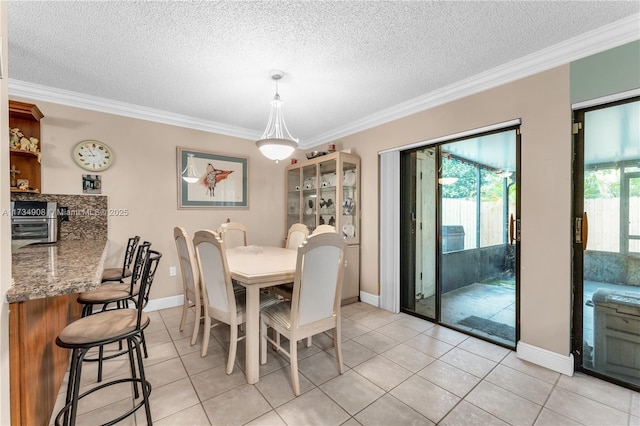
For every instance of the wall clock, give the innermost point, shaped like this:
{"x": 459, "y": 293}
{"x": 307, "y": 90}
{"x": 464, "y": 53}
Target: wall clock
{"x": 93, "y": 155}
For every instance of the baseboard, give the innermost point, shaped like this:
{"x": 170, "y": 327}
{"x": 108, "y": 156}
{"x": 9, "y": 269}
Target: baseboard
{"x": 371, "y": 299}
{"x": 545, "y": 358}
{"x": 164, "y": 303}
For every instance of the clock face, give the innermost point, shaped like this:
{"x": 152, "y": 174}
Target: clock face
{"x": 92, "y": 155}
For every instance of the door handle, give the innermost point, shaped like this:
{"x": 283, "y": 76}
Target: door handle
{"x": 511, "y": 228}
{"x": 585, "y": 230}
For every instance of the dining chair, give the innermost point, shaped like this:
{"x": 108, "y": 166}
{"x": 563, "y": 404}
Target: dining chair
{"x": 315, "y": 302}
{"x": 233, "y": 234}
{"x": 120, "y": 294}
{"x": 190, "y": 280}
{"x": 298, "y": 232}
{"x": 119, "y": 274}
{"x": 220, "y": 301}
{"x": 321, "y": 229}
{"x": 104, "y": 328}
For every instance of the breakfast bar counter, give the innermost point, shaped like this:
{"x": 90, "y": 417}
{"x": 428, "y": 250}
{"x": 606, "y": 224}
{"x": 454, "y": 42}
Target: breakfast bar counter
{"x": 48, "y": 270}
{"x": 42, "y": 301}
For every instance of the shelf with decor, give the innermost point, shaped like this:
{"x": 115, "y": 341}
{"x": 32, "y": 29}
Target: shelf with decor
{"x": 325, "y": 190}
{"x": 25, "y": 147}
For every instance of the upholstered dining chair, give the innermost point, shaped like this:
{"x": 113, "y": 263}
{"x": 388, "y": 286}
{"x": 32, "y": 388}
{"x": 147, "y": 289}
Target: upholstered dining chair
{"x": 119, "y": 274}
{"x": 190, "y": 280}
{"x": 104, "y": 328}
{"x": 315, "y": 302}
{"x": 298, "y": 232}
{"x": 233, "y": 234}
{"x": 220, "y": 301}
{"x": 321, "y": 229}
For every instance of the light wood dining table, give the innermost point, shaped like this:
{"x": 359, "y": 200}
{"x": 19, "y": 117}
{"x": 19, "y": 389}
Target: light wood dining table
{"x": 257, "y": 267}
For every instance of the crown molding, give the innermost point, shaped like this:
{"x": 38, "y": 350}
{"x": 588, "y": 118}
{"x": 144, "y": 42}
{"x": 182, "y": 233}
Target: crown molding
{"x": 39, "y": 92}
{"x": 607, "y": 37}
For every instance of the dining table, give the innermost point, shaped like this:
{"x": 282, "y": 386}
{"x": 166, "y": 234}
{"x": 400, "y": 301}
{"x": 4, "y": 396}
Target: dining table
{"x": 257, "y": 267}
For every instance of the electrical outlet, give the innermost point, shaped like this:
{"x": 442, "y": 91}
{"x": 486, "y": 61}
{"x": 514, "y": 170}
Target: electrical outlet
{"x": 172, "y": 271}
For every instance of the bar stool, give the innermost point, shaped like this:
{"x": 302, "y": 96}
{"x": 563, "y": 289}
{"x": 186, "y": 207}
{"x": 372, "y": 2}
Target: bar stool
{"x": 119, "y": 293}
{"x": 104, "y": 328}
{"x": 119, "y": 274}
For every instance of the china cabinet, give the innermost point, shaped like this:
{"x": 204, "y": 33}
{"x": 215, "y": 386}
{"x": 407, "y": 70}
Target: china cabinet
{"x": 326, "y": 191}
{"x": 25, "y": 163}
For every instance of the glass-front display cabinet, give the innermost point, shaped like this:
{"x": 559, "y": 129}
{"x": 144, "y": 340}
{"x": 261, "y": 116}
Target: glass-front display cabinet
{"x": 326, "y": 191}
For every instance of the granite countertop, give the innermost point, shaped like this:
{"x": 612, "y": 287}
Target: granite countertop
{"x": 65, "y": 267}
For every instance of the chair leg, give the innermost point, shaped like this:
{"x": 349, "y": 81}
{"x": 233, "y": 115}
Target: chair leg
{"x": 100, "y": 356}
{"x": 309, "y": 341}
{"x": 205, "y": 335}
{"x": 185, "y": 309}
{"x": 233, "y": 347}
{"x": 71, "y": 384}
{"x": 143, "y": 381}
{"x": 338, "y": 345}
{"x": 144, "y": 344}
{"x": 263, "y": 341}
{"x": 132, "y": 366}
{"x": 76, "y": 387}
{"x": 293, "y": 354}
{"x": 196, "y": 324}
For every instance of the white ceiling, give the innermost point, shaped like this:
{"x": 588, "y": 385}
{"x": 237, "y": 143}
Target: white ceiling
{"x": 349, "y": 65}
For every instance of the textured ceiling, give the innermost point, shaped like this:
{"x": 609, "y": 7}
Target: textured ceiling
{"x": 344, "y": 61}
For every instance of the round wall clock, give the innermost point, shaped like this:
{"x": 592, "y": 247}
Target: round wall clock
{"x": 93, "y": 155}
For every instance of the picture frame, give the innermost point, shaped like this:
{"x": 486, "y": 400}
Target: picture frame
{"x": 211, "y": 180}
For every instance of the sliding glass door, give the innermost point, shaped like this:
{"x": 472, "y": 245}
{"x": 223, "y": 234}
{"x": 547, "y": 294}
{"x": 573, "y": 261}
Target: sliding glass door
{"x": 459, "y": 257}
{"x": 606, "y": 332}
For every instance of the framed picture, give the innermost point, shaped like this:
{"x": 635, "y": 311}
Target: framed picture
{"x": 210, "y": 180}
{"x": 91, "y": 184}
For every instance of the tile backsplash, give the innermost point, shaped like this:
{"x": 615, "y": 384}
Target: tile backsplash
{"x": 88, "y": 217}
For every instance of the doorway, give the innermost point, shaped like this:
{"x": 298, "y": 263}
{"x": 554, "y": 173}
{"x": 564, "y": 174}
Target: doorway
{"x": 606, "y": 303}
{"x": 458, "y": 242}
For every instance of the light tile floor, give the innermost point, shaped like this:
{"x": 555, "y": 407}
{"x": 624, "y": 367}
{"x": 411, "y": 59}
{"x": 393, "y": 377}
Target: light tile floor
{"x": 399, "y": 370}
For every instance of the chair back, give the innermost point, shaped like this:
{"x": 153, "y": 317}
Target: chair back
{"x": 150, "y": 265}
{"x": 321, "y": 229}
{"x": 233, "y": 234}
{"x": 188, "y": 265}
{"x": 138, "y": 265}
{"x": 217, "y": 288}
{"x": 129, "y": 253}
{"x": 317, "y": 287}
{"x": 298, "y": 232}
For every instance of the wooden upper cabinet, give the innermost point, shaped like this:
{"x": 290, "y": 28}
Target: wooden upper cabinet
{"x": 25, "y": 164}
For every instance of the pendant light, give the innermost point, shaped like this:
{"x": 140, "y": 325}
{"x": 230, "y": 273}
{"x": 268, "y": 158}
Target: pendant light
{"x": 276, "y": 142}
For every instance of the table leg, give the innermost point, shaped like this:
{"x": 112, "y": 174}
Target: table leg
{"x": 252, "y": 341}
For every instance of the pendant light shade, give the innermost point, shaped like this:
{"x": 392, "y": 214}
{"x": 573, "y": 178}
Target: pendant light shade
{"x": 276, "y": 142}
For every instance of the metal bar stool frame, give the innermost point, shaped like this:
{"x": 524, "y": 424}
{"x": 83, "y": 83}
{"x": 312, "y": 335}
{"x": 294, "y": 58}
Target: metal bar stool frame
{"x": 134, "y": 340}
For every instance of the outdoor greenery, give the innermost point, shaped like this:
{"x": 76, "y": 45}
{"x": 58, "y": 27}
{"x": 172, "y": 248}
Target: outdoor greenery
{"x": 605, "y": 183}
{"x": 466, "y": 185}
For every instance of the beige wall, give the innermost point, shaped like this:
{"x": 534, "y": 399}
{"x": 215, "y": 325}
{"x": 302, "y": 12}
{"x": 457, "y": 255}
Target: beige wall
{"x": 542, "y": 103}
{"x": 143, "y": 181}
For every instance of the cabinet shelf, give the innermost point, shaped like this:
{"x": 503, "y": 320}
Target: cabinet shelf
{"x": 26, "y": 191}
{"x": 25, "y": 117}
